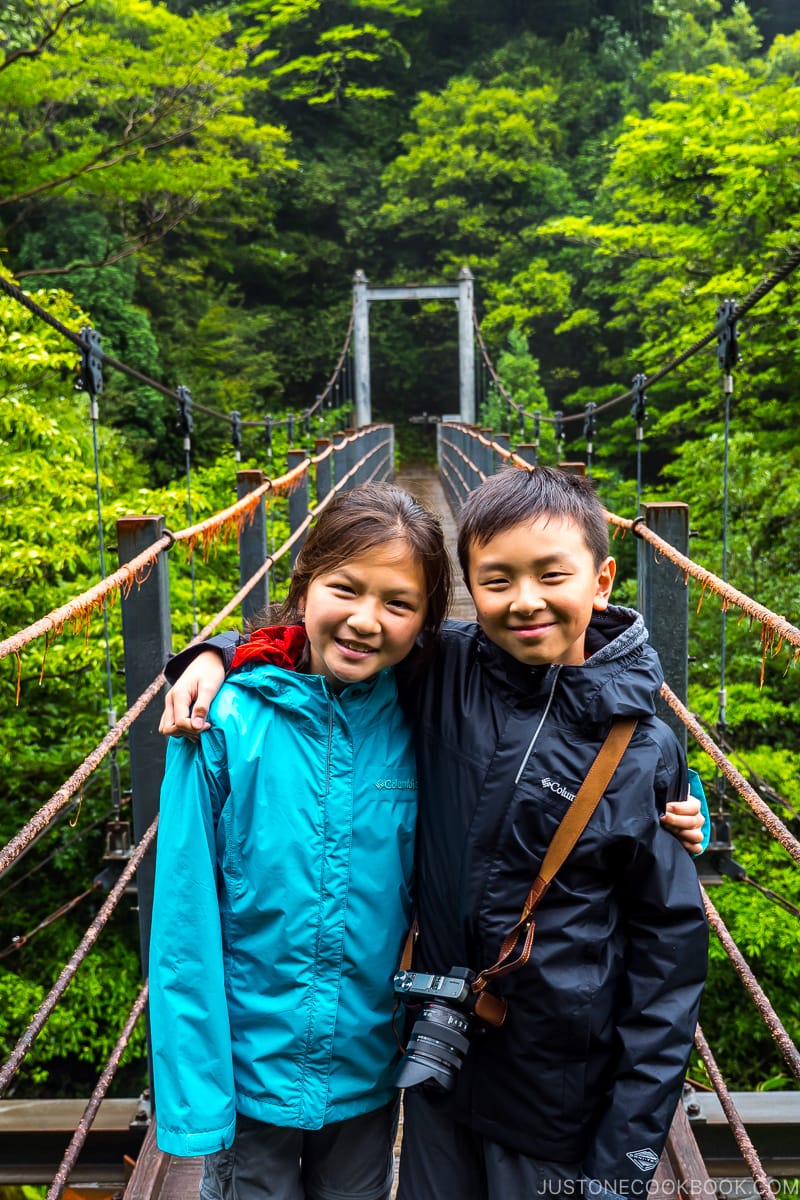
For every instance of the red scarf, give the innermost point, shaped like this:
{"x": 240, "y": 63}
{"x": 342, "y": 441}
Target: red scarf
{"x": 281, "y": 645}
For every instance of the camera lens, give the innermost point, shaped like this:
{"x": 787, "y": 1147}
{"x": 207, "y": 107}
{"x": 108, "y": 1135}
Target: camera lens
{"x": 436, "y": 1048}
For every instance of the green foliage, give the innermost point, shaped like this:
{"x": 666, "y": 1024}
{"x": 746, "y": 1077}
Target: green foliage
{"x": 77, "y": 1040}
{"x": 478, "y": 169}
{"x": 132, "y": 109}
{"x": 334, "y": 57}
{"x": 50, "y": 554}
{"x": 206, "y": 177}
{"x": 766, "y": 935}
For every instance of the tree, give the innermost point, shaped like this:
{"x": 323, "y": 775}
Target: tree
{"x": 127, "y": 108}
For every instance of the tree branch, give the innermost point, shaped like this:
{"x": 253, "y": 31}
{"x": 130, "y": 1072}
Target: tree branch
{"x": 146, "y": 239}
{"x": 48, "y": 35}
{"x": 99, "y": 163}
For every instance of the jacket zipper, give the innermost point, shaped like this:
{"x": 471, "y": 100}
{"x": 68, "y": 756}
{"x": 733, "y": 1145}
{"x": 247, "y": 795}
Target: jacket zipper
{"x": 538, "y": 730}
{"x": 329, "y": 748}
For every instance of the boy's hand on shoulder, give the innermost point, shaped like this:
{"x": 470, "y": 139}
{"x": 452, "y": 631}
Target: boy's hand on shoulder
{"x": 187, "y": 702}
{"x": 684, "y": 818}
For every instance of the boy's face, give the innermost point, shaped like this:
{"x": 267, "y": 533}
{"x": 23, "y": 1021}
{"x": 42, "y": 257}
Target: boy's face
{"x": 535, "y": 586}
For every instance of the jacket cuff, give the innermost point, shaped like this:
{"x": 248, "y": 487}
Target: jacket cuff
{"x": 192, "y": 1145}
{"x": 697, "y": 790}
{"x": 224, "y": 643}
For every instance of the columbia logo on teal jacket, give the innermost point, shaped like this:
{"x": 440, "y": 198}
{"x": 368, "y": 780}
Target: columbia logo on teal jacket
{"x": 282, "y": 900}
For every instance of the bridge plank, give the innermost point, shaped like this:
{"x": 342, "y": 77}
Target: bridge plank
{"x": 426, "y": 487}
{"x": 150, "y": 1170}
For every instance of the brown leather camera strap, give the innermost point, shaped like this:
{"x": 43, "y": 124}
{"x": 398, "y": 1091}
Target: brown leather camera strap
{"x": 572, "y": 826}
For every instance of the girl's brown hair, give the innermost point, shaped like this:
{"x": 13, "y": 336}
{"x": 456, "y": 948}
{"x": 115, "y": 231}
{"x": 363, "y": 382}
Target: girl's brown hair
{"x": 360, "y": 520}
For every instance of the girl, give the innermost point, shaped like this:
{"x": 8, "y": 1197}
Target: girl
{"x": 283, "y": 874}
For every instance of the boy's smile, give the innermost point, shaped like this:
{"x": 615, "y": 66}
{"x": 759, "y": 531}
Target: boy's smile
{"x": 535, "y": 586}
{"x": 365, "y": 615}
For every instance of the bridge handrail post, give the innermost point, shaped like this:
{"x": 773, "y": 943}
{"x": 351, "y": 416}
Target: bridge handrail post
{"x": 338, "y": 467}
{"x": 663, "y": 601}
{"x": 324, "y": 468}
{"x": 376, "y": 465}
{"x": 452, "y": 440}
{"x": 362, "y": 447}
{"x": 486, "y": 455}
{"x": 347, "y": 455}
{"x": 298, "y": 501}
{"x": 147, "y": 642}
{"x": 253, "y": 546}
{"x": 503, "y": 440}
{"x": 529, "y": 452}
{"x": 472, "y": 449}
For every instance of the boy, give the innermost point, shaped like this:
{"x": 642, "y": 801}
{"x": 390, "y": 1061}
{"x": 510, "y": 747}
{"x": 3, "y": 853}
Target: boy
{"x": 581, "y": 1081}
{"x": 583, "y": 1078}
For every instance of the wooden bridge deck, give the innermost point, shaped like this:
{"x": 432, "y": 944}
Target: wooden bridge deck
{"x": 681, "y": 1171}
{"x": 426, "y": 487}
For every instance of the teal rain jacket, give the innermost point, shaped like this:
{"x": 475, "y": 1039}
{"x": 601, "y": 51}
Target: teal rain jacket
{"x": 282, "y": 900}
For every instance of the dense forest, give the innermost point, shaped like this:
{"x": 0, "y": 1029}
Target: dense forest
{"x": 200, "y": 181}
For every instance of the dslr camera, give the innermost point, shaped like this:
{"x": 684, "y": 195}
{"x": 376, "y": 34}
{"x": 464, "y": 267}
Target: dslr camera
{"x": 440, "y": 1035}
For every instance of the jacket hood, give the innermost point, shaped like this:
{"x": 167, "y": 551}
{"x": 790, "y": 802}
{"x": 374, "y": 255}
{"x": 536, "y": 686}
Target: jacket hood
{"x": 281, "y": 645}
{"x": 620, "y": 677}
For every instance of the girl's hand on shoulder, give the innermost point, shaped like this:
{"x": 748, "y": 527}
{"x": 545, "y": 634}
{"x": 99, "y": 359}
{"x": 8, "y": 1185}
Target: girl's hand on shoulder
{"x": 187, "y": 702}
{"x": 684, "y": 819}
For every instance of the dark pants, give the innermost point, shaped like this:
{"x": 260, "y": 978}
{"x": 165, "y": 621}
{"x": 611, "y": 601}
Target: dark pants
{"x": 348, "y": 1160}
{"x": 441, "y": 1160}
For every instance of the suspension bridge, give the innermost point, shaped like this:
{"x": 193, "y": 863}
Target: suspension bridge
{"x": 104, "y": 1147}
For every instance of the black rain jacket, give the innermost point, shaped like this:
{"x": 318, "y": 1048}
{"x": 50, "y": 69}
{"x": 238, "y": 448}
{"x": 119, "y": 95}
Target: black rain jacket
{"x": 590, "y": 1062}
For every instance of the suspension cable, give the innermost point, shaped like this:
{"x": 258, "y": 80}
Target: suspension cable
{"x": 22, "y": 939}
{"x": 12, "y": 1064}
{"x": 757, "y": 993}
{"x": 755, "y": 295}
{"x": 101, "y": 1088}
{"x": 743, "y": 1139}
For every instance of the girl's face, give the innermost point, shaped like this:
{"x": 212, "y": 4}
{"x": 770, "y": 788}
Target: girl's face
{"x": 365, "y": 614}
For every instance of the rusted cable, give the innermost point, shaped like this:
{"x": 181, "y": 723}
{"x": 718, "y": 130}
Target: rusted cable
{"x": 770, "y": 1017}
{"x": 101, "y": 1088}
{"x": 764, "y": 813}
{"x": 743, "y": 1139}
{"x": 47, "y": 814}
{"x": 131, "y": 572}
{"x": 60, "y": 799}
{"x": 22, "y": 940}
{"x": 78, "y": 609}
{"x": 779, "y": 627}
{"x": 457, "y": 450}
{"x": 242, "y": 511}
{"x": 43, "y": 1014}
{"x": 45, "y": 862}
{"x": 335, "y": 375}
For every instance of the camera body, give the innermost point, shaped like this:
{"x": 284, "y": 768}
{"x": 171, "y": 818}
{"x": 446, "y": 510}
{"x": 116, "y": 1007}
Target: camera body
{"x": 439, "y": 1038}
{"x": 414, "y": 986}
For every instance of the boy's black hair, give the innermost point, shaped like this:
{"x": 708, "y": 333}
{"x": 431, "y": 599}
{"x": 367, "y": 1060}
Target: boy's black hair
{"x": 516, "y": 496}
